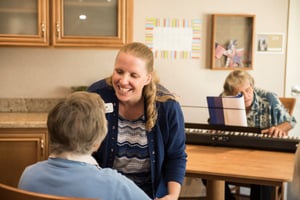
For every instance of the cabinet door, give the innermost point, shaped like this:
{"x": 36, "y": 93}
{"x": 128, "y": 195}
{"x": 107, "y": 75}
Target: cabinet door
{"x": 92, "y": 23}
{"x": 24, "y": 23}
{"x": 18, "y": 149}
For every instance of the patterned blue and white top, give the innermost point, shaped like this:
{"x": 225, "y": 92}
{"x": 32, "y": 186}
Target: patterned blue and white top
{"x": 267, "y": 111}
{"x": 132, "y": 158}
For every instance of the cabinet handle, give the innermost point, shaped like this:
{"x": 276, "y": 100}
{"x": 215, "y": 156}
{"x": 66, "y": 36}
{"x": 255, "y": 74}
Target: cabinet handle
{"x": 58, "y": 30}
{"x": 44, "y": 31}
{"x": 42, "y": 147}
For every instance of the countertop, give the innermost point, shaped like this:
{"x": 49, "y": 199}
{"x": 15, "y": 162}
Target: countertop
{"x": 23, "y": 120}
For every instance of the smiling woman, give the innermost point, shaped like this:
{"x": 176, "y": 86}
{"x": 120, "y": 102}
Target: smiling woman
{"x": 146, "y": 138}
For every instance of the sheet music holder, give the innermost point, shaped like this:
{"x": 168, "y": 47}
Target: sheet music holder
{"x": 227, "y": 110}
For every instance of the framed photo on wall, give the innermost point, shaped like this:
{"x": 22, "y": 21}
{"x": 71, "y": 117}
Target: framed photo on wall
{"x": 270, "y": 42}
{"x": 232, "y": 41}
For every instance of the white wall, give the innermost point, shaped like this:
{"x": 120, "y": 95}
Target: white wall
{"x": 293, "y": 71}
{"x": 49, "y": 72}
{"x": 293, "y": 66}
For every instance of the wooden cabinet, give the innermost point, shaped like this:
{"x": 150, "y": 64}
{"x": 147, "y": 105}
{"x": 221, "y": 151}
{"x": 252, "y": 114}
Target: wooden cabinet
{"x": 85, "y": 23}
{"x": 105, "y": 23}
{"x": 20, "y": 147}
{"x": 24, "y": 23}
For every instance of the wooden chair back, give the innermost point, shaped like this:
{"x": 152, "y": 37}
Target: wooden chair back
{"x": 289, "y": 103}
{"x": 12, "y": 193}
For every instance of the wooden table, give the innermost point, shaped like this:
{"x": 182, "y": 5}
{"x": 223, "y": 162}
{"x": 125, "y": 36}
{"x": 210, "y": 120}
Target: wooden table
{"x": 220, "y": 164}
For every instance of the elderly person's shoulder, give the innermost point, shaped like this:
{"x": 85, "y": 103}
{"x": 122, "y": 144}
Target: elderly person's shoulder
{"x": 265, "y": 93}
{"x": 267, "y": 96}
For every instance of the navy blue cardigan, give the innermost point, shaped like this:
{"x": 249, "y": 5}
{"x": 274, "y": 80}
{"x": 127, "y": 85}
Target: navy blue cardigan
{"x": 166, "y": 140}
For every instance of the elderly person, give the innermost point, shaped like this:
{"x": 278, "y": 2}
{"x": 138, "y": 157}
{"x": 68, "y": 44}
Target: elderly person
{"x": 264, "y": 110}
{"x": 77, "y": 127}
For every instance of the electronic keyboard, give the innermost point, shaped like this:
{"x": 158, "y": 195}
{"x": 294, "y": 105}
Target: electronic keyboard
{"x": 238, "y": 136}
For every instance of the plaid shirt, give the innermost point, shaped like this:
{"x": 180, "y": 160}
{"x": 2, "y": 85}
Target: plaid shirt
{"x": 267, "y": 111}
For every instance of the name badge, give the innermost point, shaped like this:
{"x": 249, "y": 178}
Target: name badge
{"x": 109, "y": 108}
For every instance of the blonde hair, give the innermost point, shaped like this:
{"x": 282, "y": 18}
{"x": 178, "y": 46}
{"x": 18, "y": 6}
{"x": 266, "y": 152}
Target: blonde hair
{"x": 76, "y": 123}
{"x": 235, "y": 78}
{"x": 151, "y": 92}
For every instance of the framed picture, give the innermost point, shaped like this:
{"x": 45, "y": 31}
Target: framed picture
{"x": 232, "y": 41}
{"x": 270, "y": 42}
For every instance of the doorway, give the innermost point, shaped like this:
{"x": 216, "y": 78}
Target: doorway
{"x": 292, "y": 78}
